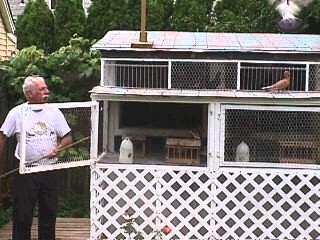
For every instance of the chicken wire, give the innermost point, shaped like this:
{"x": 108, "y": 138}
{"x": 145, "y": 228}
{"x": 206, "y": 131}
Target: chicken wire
{"x": 272, "y": 135}
{"x": 83, "y": 126}
{"x": 314, "y": 77}
{"x": 203, "y": 75}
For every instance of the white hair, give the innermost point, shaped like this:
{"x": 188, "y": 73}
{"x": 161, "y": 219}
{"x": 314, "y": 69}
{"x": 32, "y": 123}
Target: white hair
{"x": 29, "y": 83}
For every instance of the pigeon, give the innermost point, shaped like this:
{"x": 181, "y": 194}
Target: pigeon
{"x": 288, "y": 9}
{"x": 281, "y": 84}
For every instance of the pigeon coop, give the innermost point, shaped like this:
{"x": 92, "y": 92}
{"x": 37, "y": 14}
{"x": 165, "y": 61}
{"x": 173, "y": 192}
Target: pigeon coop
{"x": 210, "y": 84}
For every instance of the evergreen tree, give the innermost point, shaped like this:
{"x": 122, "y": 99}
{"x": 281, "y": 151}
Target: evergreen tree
{"x": 311, "y": 16}
{"x": 70, "y": 19}
{"x": 105, "y": 15}
{"x": 159, "y": 14}
{"x": 35, "y": 26}
{"x": 192, "y": 15}
{"x": 244, "y": 16}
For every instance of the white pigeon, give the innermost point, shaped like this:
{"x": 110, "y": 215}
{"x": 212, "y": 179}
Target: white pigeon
{"x": 288, "y": 10}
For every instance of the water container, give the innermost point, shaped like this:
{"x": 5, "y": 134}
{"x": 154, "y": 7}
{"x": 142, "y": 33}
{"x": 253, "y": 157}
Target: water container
{"x": 126, "y": 151}
{"x": 242, "y": 153}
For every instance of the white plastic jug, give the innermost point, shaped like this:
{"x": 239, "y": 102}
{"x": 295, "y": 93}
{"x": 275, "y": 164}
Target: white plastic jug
{"x": 242, "y": 152}
{"x": 126, "y": 151}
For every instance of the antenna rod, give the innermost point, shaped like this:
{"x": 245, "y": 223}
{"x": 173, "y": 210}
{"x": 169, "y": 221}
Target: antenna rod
{"x": 143, "y": 34}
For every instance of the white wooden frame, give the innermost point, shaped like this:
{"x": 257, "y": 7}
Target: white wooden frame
{"x": 220, "y": 151}
{"x": 93, "y": 105}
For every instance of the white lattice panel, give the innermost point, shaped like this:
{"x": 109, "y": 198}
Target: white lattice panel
{"x": 199, "y": 204}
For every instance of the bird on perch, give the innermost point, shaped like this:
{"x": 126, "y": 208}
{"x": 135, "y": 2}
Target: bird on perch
{"x": 281, "y": 84}
{"x": 288, "y": 10}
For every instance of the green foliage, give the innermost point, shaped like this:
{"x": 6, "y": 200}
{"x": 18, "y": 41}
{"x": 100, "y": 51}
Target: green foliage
{"x": 35, "y": 26}
{"x": 192, "y": 15}
{"x": 73, "y": 204}
{"x": 74, "y": 65}
{"x": 6, "y": 202}
{"x": 96, "y": 27}
{"x": 128, "y": 226}
{"x": 69, "y": 20}
{"x": 5, "y": 216}
{"x": 159, "y": 14}
{"x": 70, "y": 66}
{"x": 311, "y": 15}
{"x": 26, "y": 62}
{"x": 105, "y": 15}
{"x": 244, "y": 16}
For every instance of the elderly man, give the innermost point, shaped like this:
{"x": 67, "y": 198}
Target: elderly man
{"x": 43, "y": 129}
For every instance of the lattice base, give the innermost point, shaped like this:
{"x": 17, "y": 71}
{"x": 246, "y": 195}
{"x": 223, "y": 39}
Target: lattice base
{"x": 199, "y": 204}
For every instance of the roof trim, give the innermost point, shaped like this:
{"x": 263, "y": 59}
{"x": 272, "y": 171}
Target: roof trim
{"x": 6, "y": 15}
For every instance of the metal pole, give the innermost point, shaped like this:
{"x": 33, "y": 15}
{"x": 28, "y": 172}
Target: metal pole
{"x": 63, "y": 148}
{"x": 143, "y": 34}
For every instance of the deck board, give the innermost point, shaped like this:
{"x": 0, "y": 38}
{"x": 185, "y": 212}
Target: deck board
{"x": 66, "y": 229}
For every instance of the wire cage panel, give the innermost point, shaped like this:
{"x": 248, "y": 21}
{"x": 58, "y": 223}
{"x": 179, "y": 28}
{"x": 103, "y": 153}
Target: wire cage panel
{"x": 40, "y": 120}
{"x": 203, "y": 75}
{"x": 201, "y": 204}
{"x": 133, "y": 74}
{"x": 271, "y": 134}
{"x": 208, "y": 75}
{"x": 254, "y": 76}
{"x": 314, "y": 77}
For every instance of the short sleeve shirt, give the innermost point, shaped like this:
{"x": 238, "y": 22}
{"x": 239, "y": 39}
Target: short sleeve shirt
{"x": 43, "y": 128}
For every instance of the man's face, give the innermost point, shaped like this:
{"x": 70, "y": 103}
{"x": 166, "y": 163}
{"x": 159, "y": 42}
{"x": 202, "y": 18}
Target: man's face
{"x": 39, "y": 92}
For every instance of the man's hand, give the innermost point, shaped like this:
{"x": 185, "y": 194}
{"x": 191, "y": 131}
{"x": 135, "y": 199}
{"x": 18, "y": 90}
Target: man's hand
{"x": 65, "y": 141}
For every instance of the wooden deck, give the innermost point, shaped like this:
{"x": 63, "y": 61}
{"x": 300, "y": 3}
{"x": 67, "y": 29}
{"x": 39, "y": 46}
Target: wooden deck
{"x": 66, "y": 229}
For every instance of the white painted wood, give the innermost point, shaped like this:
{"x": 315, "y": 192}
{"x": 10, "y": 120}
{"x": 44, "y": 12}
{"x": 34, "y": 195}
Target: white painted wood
{"x": 201, "y": 204}
{"x": 94, "y": 130}
{"x": 307, "y": 76}
{"x": 87, "y": 110}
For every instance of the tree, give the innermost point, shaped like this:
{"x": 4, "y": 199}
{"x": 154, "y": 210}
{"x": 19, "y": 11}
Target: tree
{"x": 244, "y": 16}
{"x": 105, "y": 15}
{"x": 35, "y": 26}
{"x": 311, "y": 16}
{"x": 159, "y": 14}
{"x": 69, "y": 66}
{"x": 192, "y": 15}
{"x": 70, "y": 19}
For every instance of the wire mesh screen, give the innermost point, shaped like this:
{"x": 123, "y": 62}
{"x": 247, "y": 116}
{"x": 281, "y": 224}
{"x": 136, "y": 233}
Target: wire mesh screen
{"x": 314, "y": 77}
{"x": 136, "y": 74}
{"x": 204, "y": 75}
{"x": 254, "y": 76}
{"x": 276, "y": 136}
{"x": 43, "y": 128}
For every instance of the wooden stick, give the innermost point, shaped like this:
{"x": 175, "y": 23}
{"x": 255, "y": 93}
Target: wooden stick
{"x": 63, "y": 148}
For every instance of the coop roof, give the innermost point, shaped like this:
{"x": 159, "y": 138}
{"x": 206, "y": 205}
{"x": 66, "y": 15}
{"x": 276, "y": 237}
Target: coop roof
{"x": 212, "y": 42}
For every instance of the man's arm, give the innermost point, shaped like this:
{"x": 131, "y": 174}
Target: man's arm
{"x": 65, "y": 141}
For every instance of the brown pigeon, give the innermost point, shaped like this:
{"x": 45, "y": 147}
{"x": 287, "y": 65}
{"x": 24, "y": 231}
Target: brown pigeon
{"x": 281, "y": 84}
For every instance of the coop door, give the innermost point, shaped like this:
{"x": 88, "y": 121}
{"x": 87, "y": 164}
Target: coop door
{"x": 262, "y": 135}
{"x": 41, "y": 125}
